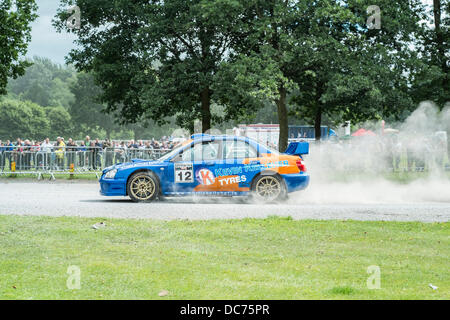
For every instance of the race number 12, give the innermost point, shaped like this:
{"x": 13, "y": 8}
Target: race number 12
{"x": 184, "y": 173}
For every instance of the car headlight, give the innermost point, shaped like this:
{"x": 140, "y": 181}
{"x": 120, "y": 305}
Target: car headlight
{"x": 110, "y": 174}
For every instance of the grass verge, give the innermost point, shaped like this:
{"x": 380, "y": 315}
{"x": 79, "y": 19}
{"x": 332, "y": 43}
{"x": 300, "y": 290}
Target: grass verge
{"x": 274, "y": 258}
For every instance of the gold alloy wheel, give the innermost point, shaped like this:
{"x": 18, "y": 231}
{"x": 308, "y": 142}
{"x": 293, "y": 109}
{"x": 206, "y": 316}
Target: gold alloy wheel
{"x": 268, "y": 188}
{"x": 142, "y": 187}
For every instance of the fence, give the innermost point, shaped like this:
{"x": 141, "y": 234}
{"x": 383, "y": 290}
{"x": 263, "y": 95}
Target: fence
{"x": 92, "y": 160}
{"x": 63, "y": 160}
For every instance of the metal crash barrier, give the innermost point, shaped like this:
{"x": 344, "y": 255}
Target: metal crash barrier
{"x": 31, "y": 160}
{"x": 69, "y": 159}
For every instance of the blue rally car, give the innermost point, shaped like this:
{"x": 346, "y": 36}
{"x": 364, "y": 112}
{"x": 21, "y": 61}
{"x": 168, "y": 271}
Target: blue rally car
{"x": 214, "y": 166}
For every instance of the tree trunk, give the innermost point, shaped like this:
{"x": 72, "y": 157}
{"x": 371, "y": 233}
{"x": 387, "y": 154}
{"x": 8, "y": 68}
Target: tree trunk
{"x": 191, "y": 127}
{"x": 437, "y": 14}
{"x": 318, "y": 123}
{"x": 440, "y": 38}
{"x": 282, "y": 120}
{"x": 206, "y": 110}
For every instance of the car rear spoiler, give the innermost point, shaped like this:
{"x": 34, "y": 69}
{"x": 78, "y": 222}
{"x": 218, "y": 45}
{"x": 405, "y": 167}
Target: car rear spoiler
{"x": 297, "y": 148}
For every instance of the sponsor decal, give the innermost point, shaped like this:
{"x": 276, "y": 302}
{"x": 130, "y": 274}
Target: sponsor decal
{"x": 205, "y": 176}
{"x": 231, "y": 171}
{"x": 210, "y": 193}
{"x": 268, "y": 165}
{"x": 220, "y": 193}
{"x": 251, "y": 167}
{"x": 231, "y": 180}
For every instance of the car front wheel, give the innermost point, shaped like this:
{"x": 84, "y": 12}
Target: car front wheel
{"x": 143, "y": 187}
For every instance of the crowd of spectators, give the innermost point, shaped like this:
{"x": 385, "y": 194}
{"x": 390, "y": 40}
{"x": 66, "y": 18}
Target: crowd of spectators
{"x": 88, "y": 153}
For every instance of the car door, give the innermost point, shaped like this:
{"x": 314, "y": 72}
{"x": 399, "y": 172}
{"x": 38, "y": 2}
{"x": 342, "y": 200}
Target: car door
{"x": 232, "y": 174}
{"x": 194, "y": 168}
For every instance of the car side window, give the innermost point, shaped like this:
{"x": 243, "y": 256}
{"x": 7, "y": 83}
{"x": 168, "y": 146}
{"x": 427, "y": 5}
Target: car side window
{"x": 202, "y": 151}
{"x": 233, "y": 149}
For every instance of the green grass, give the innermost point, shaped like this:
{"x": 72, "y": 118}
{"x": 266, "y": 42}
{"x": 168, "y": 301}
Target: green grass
{"x": 274, "y": 258}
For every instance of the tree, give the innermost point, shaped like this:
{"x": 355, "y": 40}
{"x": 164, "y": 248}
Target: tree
{"x": 430, "y": 80}
{"x": 39, "y": 122}
{"x": 156, "y": 59}
{"x": 322, "y": 57}
{"x": 60, "y": 120}
{"x": 347, "y": 70}
{"x": 89, "y": 115}
{"x": 44, "y": 83}
{"x": 22, "y": 120}
{"x": 264, "y": 56}
{"x": 14, "y": 120}
{"x": 86, "y": 110}
{"x": 60, "y": 93}
{"x": 15, "y": 19}
{"x": 259, "y": 70}
{"x": 441, "y": 39}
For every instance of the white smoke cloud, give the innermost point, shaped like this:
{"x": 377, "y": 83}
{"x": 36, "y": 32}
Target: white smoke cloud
{"x": 355, "y": 171}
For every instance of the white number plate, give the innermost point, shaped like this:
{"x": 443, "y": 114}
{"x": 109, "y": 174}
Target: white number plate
{"x": 184, "y": 173}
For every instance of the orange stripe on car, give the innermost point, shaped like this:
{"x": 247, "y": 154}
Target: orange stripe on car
{"x": 274, "y": 162}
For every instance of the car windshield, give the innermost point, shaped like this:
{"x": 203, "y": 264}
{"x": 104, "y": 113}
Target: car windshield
{"x": 173, "y": 152}
{"x": 170, "y": 153}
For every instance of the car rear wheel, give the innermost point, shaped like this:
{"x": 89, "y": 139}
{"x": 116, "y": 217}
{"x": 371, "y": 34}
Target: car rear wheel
{"x": 143, "y": 187}
{"x": 268, "y": 187}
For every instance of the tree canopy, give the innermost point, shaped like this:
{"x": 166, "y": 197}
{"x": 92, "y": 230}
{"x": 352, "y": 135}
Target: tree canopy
{"x": 323, "y": 59}
{"x": 45, "y": 83}
{"x": 22, "y": 119}
{"x": 150, "y": 63}
{"x": 311, "y": 59}
{"x": 157, "y": 59}
{"x": 15, "y": 19}
{"x": 52, "y": 100}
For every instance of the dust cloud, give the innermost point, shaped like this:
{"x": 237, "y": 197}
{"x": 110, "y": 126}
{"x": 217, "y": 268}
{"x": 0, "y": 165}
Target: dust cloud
{"x": 400, "y": 163}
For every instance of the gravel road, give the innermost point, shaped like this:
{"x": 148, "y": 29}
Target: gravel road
{"x": 82, "y": 199}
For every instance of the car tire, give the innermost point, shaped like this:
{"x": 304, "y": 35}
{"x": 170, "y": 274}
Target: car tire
{"x": 268, "y": 187}
{"x": 143, "y": 187}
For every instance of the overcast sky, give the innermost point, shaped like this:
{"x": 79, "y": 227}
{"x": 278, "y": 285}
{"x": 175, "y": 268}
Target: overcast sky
{"x": 46, "y": 42}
